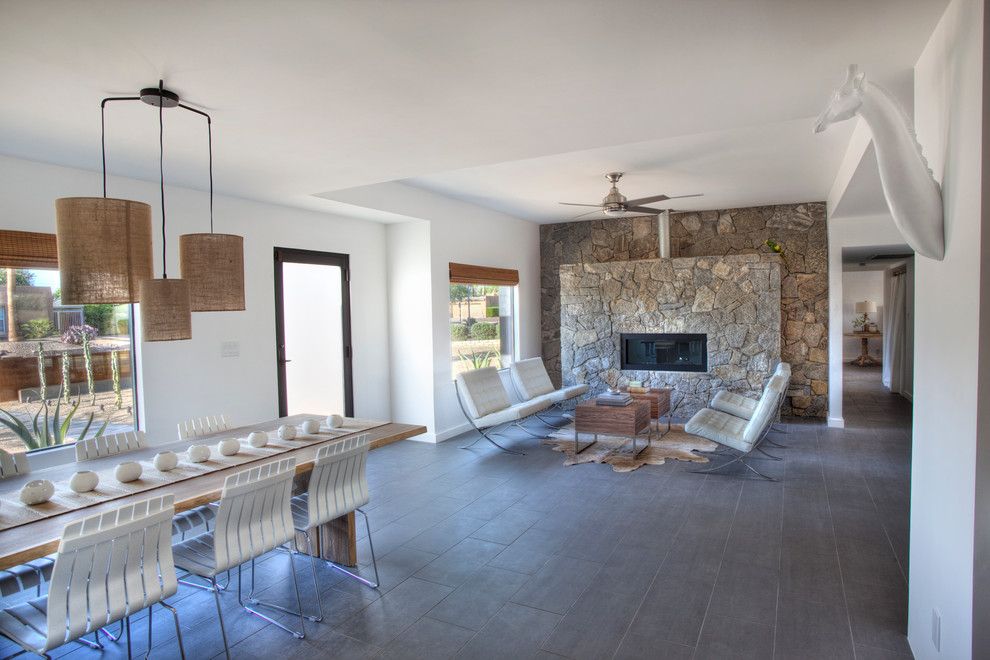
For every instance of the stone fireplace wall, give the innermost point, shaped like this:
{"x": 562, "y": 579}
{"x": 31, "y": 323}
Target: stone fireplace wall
{"x": 587, "y": 242}
{"x": 799, "y": 228}
{"x": 735, "y": 300}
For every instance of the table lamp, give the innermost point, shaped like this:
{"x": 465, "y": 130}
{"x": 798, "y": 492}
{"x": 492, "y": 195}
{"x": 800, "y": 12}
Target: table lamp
{"x": 866, "y": 308}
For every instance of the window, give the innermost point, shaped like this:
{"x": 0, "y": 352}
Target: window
{"x": 44, "y": 345}
{"x": 482, "y": 318}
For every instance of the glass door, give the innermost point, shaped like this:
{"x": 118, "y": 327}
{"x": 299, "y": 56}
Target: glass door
{"x": 313, "y": 332}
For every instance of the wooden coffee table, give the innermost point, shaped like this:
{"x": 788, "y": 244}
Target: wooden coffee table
{"x": 659, "y": 398}
{"x": 628, "y": 421}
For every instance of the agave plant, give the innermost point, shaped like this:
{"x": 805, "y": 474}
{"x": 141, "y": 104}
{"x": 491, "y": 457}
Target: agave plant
{"x": 481, "y": 359}
{"x": 41, "y": 434}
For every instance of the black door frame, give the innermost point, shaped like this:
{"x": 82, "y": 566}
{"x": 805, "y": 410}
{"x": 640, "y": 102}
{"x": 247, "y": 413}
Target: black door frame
{"x": 294, "y": 255}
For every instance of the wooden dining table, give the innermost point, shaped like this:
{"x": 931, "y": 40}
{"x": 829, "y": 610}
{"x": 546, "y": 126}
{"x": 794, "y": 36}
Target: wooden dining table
{"x": 336, "y": 540}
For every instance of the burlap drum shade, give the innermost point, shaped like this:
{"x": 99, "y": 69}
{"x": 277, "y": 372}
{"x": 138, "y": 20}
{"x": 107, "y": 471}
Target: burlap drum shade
{"x": 213, "y": 264}
{"x": 165, "y": 313}
{"x": 104, "y": 249}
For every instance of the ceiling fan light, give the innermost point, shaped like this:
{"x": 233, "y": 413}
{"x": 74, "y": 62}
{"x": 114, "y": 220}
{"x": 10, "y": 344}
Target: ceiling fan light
{"x": 165, "y": 312}
{"x": 104, "y": 249}
{"x": 213, "y": 265}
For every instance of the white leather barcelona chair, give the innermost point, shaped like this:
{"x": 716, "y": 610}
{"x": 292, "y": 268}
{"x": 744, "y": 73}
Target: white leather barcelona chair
{"x": 740, "y": 435}
{"x": 338, "y": 486}
{"x": 109, "y": 566}
{"x": 485, "y": 403}
{"x": 743, "y": 406}
{"x": 532, "y": 383}
{"x": 254, "y": 517}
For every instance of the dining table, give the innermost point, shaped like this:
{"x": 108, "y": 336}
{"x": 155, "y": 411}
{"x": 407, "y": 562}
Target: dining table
{"x": 336, "y": 541}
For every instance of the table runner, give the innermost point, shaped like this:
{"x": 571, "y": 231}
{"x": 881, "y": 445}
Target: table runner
{"x": 13, "y": 512}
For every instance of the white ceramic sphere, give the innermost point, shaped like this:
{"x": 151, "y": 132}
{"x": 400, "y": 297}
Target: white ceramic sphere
{"x": 286, "y": 432}
{"x": 335, "y": 421}
{"x": 258, "y": 438}
{"x": 37, "y": 491}
{"x": 165, "y": 461}
{"x": 198, "y": 453}
{"x": 84, "y": 481}
{"x": 311, "y": 426}
{"x": 128, "y": 471}
{"x": 229, "y": 447}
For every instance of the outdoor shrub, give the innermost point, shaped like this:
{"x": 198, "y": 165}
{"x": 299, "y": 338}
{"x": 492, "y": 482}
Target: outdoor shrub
{"x": 484, "y": 331}
{"x": 75, "y": 333}
{"x": 37, "y": 329}
{"x": 100, "y": 317}
{"x": 122, "y": 327}
{"x": 469, "y": 322}
{"x": 491, "y": 312}
{"x": 458, "y": 331}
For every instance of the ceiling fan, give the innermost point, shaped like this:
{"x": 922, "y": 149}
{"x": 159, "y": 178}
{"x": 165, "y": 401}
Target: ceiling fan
{"x": 615, "y": 203}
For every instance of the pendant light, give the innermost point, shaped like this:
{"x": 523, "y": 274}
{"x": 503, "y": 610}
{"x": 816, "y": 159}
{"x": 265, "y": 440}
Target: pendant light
{"x": 104, "y": 244}
{"x": 165, "y": 312}
{"x": 212, "y": 263}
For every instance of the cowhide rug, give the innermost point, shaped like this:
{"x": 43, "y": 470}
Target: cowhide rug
{"x": 617, "y": 451}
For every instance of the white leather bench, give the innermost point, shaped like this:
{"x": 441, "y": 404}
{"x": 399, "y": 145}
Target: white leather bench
{"x": 486, "y": 405}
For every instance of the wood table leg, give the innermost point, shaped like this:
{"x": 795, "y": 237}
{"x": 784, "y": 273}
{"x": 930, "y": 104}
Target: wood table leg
{"x": 336, "y": 541}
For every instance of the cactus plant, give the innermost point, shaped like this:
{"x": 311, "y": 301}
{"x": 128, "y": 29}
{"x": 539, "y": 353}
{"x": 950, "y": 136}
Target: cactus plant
{"x": 88, "y": 357}
{"x": 66, "y": 374}
{"x": 115, "y": 372}
{"x": 42, "y": 382}
{"x": 40, "y": 434}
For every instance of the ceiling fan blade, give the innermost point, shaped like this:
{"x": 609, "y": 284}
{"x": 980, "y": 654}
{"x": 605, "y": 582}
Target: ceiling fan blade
{"x": 646, "y": 200}
{"x": 573, "y": 204}
{"x": 643, "y": 209}
{"x": 581, "y": 215}
{"x": 683, "y": 196}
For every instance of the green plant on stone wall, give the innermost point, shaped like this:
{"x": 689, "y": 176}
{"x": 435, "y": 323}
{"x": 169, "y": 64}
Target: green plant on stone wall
{"x": 45, "y": 431}
{"x": 37, "y": 329}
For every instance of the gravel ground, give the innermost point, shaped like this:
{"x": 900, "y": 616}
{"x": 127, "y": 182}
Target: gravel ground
{"x": 29, "y": 347}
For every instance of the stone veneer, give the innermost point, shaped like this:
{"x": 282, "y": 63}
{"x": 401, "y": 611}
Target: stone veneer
{"x": 799, "y": 228}
{"x": 735, "y": 300}
{"x": 587, "y": 242}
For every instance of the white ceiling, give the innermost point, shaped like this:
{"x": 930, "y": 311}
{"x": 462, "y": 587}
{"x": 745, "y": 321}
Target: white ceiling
{"x": 310, "y": 97}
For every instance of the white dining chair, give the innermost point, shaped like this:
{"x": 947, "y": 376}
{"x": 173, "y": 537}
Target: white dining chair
{"x": 109, "y": 566}
{"x": 200, "y": 426}
{"x": 254, "y": 517}
{"x": 110, "y": 444}
{"x": 338, "y": 485}
{"x": 33, "y": 574}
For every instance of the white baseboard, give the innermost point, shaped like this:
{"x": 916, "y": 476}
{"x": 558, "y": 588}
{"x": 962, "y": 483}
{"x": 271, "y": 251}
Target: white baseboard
{"x": 836, "y": 423}
{"x": 425, "y": 437}
{"x": 453, "y": 432}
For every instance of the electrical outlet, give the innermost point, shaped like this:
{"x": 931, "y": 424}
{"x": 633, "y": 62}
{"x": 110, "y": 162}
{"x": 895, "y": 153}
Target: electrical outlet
{"x": 936, "y": 629}
{"x": 230, "y": 349}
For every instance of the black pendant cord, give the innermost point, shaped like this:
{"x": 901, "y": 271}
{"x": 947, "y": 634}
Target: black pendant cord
{"x": 161, "y": 169}
{"x": 209, "y": 144}
{"x": 103, "y": 132}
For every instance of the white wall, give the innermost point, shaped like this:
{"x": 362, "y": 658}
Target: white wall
{"x": 189, "y": 378}
{"x": 410, "y": 312}
{"x": 847, "y": 232}
{"x": 464, "y": 233}
{"x": 857, "y": 286}
{"x": 948, "y": 116}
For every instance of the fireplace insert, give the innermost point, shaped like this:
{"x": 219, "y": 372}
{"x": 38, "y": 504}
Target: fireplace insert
{"x": 664, "y": 352}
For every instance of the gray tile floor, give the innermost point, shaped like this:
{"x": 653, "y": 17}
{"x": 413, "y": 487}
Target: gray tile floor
{"x": 488, "y": 555}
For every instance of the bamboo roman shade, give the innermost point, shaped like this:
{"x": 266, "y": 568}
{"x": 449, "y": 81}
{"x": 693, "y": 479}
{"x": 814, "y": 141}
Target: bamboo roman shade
{"x": 27, "y": 249}
{"x": 467, "y": 274}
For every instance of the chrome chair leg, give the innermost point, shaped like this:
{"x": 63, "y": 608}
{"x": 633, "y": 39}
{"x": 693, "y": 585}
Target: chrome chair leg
{"x": 770, "y": 456}
{"x": 223, "y": 630}
{"x": 255, "y": 601}
{"x": 298, "y": 634}
{"x": 178, "y": 629}
{"x": 717, "y": 470}
{"x": 374, "y": 562}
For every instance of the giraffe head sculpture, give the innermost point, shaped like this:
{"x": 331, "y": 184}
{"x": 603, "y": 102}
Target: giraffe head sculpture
{"x": 845, "y": 101}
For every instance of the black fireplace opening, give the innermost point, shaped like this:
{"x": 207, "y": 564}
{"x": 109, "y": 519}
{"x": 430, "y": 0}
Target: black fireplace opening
{"x": 664, "y": 352}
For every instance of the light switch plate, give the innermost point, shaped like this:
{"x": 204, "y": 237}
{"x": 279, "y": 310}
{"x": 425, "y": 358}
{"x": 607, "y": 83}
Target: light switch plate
{"x": 230, "y": 349}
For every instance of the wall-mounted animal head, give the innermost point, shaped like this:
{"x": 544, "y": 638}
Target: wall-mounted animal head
{"x": 845, "y": 101}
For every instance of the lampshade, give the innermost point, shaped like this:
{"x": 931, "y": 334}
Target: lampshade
{"x": 104, "y": 249}
{"x": 213, "y": 264}
{"x": 866, "y": 307}
{"x": 165, "y": 313}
